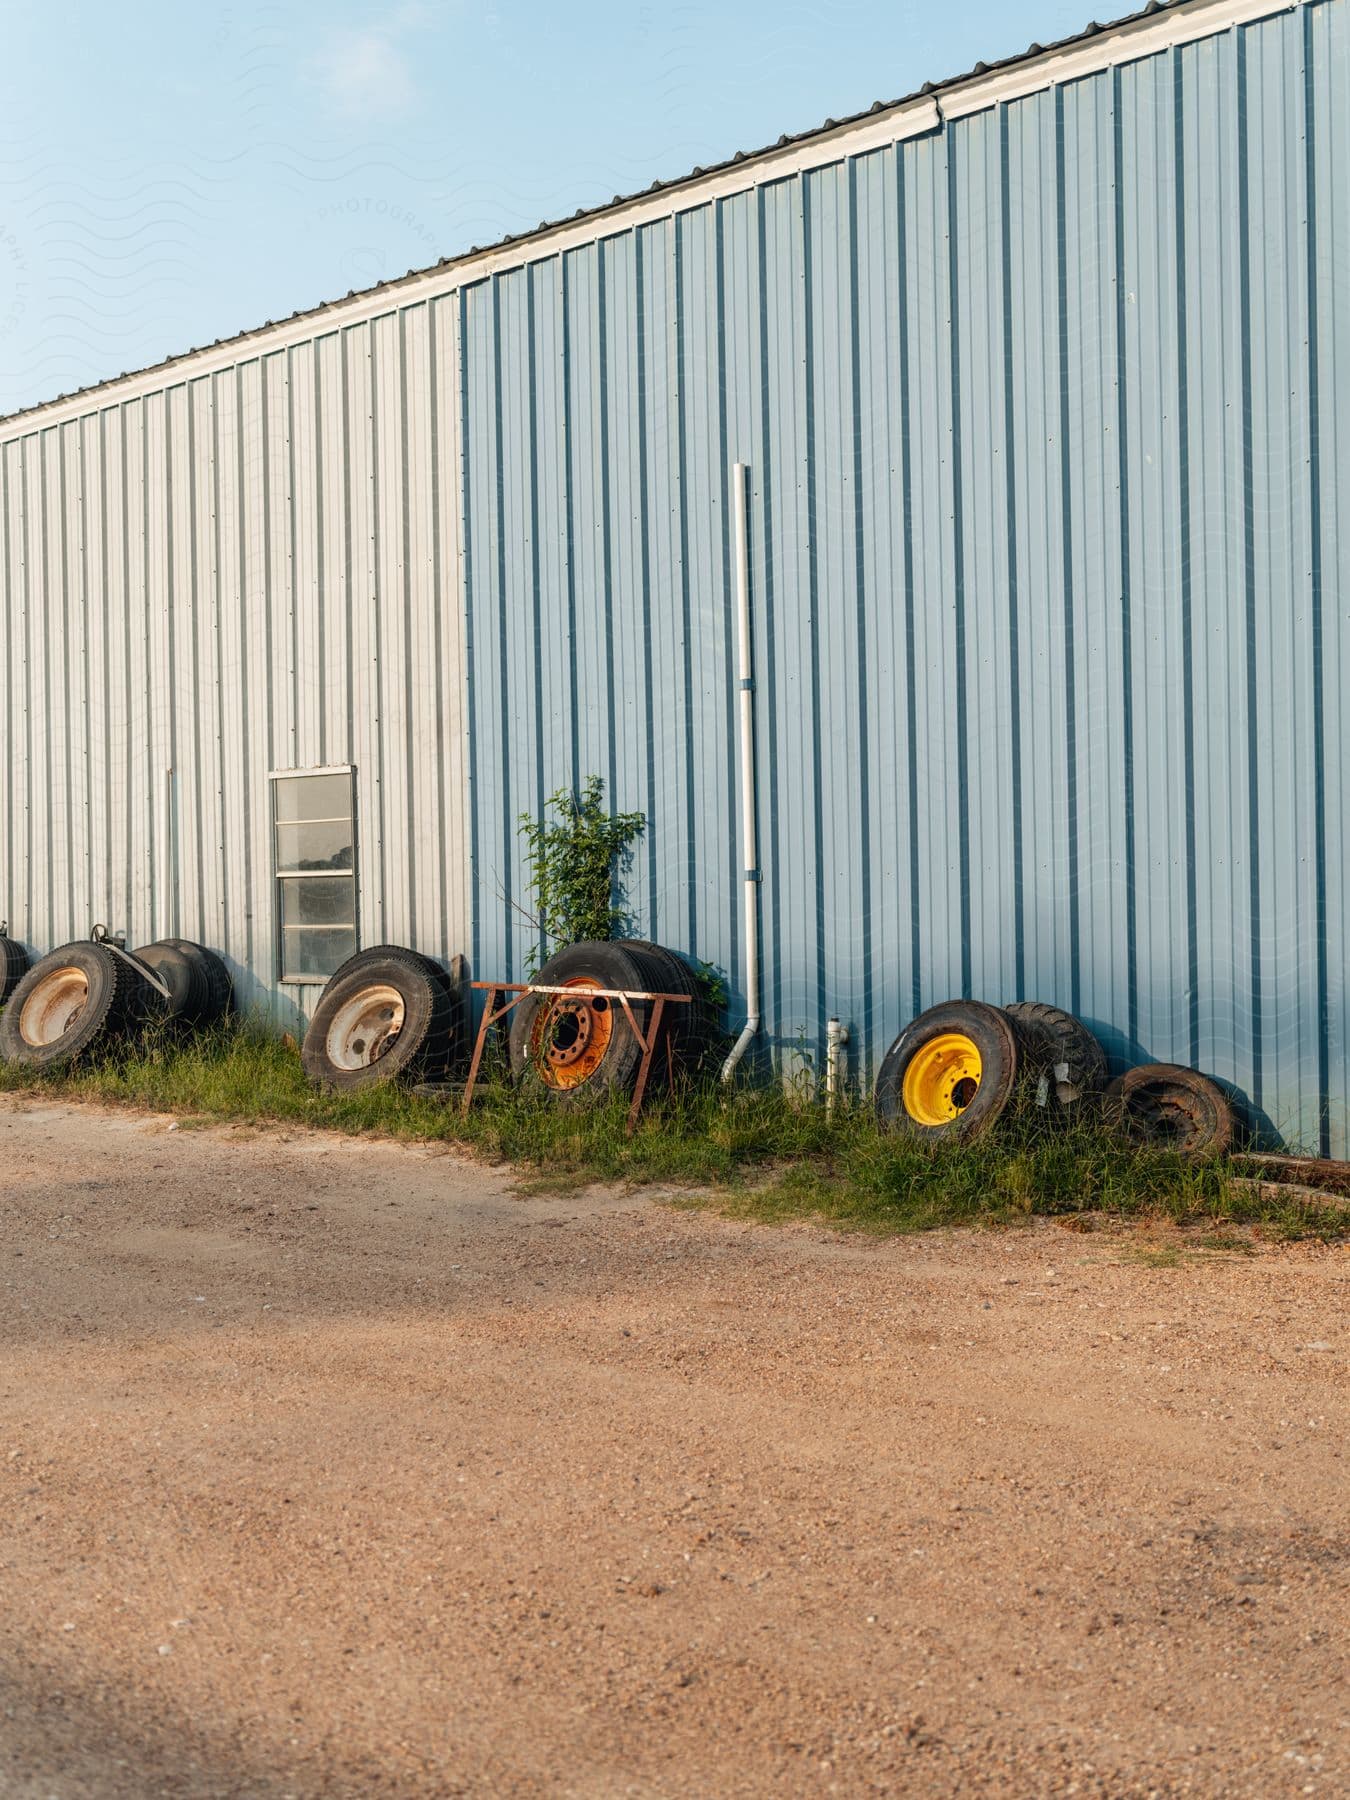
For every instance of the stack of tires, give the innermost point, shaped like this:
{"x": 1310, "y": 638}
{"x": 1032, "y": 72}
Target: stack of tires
{"x": 82, "y": 997}
{"x": 393, "y": 1014}
{"x": 578, "y": 1049}
{"x": 955, "y": 1070}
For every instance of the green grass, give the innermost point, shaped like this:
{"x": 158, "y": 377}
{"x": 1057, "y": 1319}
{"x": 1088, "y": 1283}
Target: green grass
{"x": 761, "y": 1156}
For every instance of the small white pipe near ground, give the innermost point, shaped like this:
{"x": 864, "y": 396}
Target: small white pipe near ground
{"x": 836, "y": 1036}
{"x": 165, "y": 907}
{"x": 740, "y": 478}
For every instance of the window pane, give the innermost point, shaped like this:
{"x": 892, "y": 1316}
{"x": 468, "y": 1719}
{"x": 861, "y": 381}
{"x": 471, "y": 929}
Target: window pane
{"x": 314, "y": 843}
{"x": 318, "y": 901}
{"x": 313, "y": 797}
{"x": 316, "y": 953}
{"x": 314, "y": 846}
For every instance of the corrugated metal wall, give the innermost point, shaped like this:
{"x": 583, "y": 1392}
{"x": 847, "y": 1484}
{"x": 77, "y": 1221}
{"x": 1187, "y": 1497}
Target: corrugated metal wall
{"x": 251, "y": 571}
{"x": 1048, "y": 419}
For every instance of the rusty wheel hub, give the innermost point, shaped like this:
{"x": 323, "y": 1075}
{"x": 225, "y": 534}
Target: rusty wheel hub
{"x": 571, "y": 1036}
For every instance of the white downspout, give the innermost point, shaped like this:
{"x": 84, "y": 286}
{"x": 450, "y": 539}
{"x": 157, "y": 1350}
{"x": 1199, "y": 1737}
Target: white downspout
{"x": 740, "y": 477}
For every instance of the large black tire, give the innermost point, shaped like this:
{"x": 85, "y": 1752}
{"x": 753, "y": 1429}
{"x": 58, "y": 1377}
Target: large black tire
{"x": 695, "y": 1030}
{"x": 13, "y": 964}
{"x": 388, "y": 1014}
{"x": 451, "y": 987}
{"x": 216, "y": 987}
{"x": 1163, "y": 1106}
{"x": 949, "y": 1074}
{"x": 1058, "y": 1057}
{"x": 71, "y": 1002}
{"x": 182, "y": 975}
{"x": 580, "y": 1052}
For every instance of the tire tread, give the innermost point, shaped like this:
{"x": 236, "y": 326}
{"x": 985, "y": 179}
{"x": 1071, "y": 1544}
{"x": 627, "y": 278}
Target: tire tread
{"x": 1047, "y": 1035}
{"x": 121, "y": 1007}
{"x": 437, "y": 1037}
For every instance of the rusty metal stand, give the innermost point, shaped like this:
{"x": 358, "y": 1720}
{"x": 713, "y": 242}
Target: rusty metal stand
{"x": 493, "y": 1013}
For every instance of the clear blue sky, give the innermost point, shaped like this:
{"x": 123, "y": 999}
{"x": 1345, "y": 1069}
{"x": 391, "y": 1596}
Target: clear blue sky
{"x": 171, "y": 174}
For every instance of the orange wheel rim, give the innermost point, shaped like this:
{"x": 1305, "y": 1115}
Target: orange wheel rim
{"x": 570, "y": 1037}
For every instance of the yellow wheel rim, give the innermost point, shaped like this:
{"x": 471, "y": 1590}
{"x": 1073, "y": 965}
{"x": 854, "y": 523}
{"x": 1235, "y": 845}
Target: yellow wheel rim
{"x": 942, "y": 1078}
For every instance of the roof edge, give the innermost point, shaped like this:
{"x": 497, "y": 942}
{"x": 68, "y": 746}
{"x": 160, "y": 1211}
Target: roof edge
{"x": 1160, "y": 25}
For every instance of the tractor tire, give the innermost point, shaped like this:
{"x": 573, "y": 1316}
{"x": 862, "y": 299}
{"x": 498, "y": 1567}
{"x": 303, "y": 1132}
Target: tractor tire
{"x": 386, "y": 1015}
{"x": 71, "y": 1002}
{"x": 949, "y": 1074}
{"x": 1058, "y": 1057}
{"x": 582, "y": 1052}
{"x": 1163, "y": 1106}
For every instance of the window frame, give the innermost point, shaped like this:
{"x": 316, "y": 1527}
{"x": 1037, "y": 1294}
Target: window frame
{"x": 274, "y": 778}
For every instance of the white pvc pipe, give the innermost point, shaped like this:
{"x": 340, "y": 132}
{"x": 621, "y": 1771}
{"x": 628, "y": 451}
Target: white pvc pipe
{"x": 749, "y": 836}
{"x": 836, "y": 1036}
{"x": 167, "y": 911}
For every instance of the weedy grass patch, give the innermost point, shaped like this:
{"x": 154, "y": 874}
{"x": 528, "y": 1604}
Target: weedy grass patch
{"x": 760, "y": 1153}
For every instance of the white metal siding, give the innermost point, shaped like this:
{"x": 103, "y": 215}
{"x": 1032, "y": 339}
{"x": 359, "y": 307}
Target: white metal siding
{"x": 253, "y": 569}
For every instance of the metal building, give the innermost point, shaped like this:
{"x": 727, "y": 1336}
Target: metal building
{"x": 1043, "y": 380}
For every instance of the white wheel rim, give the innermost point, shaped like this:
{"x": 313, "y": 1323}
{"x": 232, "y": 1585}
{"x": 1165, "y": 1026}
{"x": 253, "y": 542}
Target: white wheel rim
{"x": 365, "y": 1028}
{"x": 54, "y": 1006}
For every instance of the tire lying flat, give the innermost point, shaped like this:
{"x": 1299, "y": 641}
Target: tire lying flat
{"x": 577, "y": 1052}
{"x": 13, "y": 964}
{"x": 1050, "y": 1040}
{"x": 71, "y": 1002}
{"x": 387, "y": 1014}
{"x": 949, "y": 1074}
{"x": 1163, "y": 1106}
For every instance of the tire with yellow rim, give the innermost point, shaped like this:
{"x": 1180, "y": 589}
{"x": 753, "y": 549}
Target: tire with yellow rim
{"x": 950, "y": 1073}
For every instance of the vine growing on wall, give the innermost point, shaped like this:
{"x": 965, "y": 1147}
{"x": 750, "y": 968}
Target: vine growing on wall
{"x": 577, "y": 855}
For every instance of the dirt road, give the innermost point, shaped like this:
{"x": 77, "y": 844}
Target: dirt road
{"x": 332, "y": 1468}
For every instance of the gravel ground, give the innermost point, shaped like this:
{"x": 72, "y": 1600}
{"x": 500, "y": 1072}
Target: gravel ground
{"x": 336, "y": 1468}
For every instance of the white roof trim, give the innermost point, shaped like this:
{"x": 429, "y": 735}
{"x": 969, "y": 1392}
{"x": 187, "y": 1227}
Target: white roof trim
{"x": 1142, "y": 37}
{"x": 1137, "y": 38}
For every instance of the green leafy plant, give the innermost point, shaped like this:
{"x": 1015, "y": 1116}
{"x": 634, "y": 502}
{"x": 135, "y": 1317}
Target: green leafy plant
{"x": 712, "y": 986}
{"x": 578, "y": 854}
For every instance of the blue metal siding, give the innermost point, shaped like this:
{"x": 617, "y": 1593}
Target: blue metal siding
{"x": 1326, "y": 62}
{"x": 1045, "y": 415}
